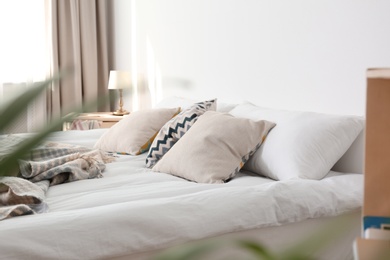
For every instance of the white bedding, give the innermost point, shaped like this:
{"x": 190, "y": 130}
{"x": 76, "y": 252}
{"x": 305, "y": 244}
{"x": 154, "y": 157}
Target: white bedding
{"x": 133, "y": 210}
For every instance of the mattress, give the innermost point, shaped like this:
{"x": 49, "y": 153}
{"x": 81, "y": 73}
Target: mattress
{"x": 132, "y": 210}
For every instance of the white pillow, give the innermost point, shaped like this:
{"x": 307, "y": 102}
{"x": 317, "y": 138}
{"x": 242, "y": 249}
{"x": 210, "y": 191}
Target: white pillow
{"x": 215, "y": 148}
{"x": 184, "y": 103}
{"x": 225, "y": 107}
{"x": 302, "y": 145}
{"x": 135, "y": 133}
{"x": 173, "y": 101}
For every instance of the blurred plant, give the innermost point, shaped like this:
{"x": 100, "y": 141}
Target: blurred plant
{"x": 305, "y": 249}
{"x": 13, "y": 108}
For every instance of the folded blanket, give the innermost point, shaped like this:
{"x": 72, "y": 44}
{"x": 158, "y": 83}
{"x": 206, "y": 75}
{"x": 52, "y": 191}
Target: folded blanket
{"x": 49, "y": 164}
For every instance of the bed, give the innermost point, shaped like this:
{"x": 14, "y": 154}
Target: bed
{"x": 135, "y": 212}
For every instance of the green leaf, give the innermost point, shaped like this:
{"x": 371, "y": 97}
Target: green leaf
{"x": 17, "y": 106}
{"x": 305, "y": 248}
{"x": 256, "y": 249}
{"x": 9, "y": 164}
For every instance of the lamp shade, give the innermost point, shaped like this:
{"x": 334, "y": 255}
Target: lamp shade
{"x": 119, "y": 79}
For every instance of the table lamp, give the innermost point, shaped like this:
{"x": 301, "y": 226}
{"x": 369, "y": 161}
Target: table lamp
{"x": 119, "y": 80}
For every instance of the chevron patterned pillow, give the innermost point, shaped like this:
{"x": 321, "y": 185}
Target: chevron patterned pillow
{"x": 175, "y": 128}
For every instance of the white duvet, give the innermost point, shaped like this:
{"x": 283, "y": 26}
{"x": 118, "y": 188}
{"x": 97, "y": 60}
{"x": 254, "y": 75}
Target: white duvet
{"x": 133, "y": 210}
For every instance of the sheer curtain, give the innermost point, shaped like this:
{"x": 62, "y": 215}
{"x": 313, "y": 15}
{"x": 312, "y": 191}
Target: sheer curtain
{"x": 23, "y": 57}
{"x": 39, "y": 38}
{"x": 78, "y": 33}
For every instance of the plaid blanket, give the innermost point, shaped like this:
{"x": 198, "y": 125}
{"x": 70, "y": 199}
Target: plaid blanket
{"x": 85, "y": 124}
{"x": 50, "y": 164}
{"x": 21, "y": 197}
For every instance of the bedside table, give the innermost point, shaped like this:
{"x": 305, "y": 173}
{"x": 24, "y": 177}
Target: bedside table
{"x": 105, "y": 120}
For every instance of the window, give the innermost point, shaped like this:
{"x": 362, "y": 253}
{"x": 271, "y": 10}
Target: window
{"x": 23, "y": 41}
{"x": 23, "y": 57}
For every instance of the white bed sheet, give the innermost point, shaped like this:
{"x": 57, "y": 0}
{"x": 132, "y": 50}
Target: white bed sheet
{"x": 134, "y": 210}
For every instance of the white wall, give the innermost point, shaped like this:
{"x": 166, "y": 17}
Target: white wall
{"x": 301, "y": 54}
{"x": 121, "y": 42}
{"x": 121, "y": 33}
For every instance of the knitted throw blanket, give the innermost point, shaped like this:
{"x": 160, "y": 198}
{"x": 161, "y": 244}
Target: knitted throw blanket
{"x": 49, "y": 164}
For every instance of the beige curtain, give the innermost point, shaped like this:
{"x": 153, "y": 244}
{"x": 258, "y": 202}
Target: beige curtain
{"x": 78, "y": 32}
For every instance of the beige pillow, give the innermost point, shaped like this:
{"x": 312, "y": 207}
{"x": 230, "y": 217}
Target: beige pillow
{"x": 215, "y": 148}
{"x": 134, "y": 133}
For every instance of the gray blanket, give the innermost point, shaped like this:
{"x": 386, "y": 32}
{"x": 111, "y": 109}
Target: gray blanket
{"x": 47, "y": 165}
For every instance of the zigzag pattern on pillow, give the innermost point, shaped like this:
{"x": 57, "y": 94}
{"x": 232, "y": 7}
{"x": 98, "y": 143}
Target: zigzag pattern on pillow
{"x": 168, "y": 140}
{"x": 182, "y": 128}
{"x": 174, "y": 129}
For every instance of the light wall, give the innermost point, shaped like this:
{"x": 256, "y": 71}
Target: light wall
{"x": 301, "y": 54}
